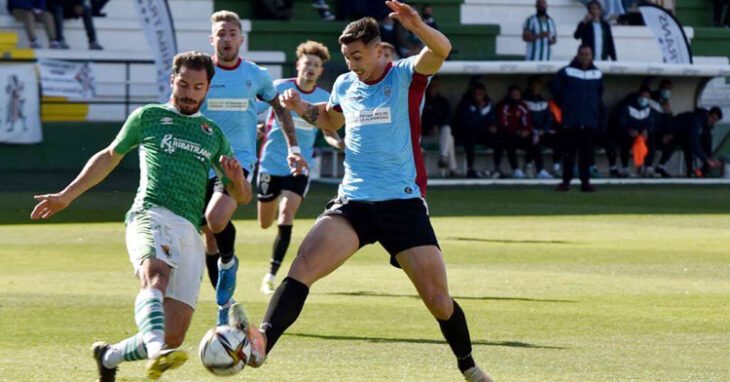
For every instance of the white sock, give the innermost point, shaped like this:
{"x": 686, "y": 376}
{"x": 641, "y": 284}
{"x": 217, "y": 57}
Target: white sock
{"x": 150, "y": 318}
{"x": 130, "y": 349}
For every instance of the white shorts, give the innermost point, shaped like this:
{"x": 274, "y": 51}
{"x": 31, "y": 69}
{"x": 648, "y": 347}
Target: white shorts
{"x": 160, "y": 234}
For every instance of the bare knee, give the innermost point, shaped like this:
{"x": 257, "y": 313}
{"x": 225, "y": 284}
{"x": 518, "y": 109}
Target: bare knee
{"x": 303, "y": 269}
{"x": 265, "y": 223}
{"x": 174, "y": 340}
{"x": 439, "y": 304}
{"x": 286, "y": 216}
{"x": 216, "y": 224}
{"x": 154, "y": 274}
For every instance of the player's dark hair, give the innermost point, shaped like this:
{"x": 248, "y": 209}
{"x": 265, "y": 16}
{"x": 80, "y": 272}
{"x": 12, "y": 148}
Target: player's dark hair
{"x": 717, "y": 111}
{"x": 585, "y": 46}
{"x": 365, "y": 29}
{"x": 513, "y": 88}
{"x": 644, "y": 89}
{"x": 195, "y": 61}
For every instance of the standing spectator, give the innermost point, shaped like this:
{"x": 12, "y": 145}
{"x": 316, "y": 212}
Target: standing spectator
{"x": 578, "y": 91}
{"x": 515, "y": 131}
{"x": 29, "y": 12}
{"x": 685, "y": 131}
{"x": 634, "y": 118}
{"x": 539, "y": 33}
{"x": 596, "y": 33}
{"x": 543, "y": 124}
{"x": 436, "y": 119}
{"x": 475, "y": 122}
{"x": 427, "y": 16}
{"x": 323, "y": 9}
{"x": 73, "y": 8}
{"x": 718, "y": 12}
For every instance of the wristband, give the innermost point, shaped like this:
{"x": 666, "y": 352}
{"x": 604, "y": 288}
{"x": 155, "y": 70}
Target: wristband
{"x": 295, "y": 150}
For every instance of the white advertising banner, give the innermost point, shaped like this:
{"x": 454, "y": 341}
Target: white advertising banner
{"x": 20, "y": 116}
{"x": 668, "y": 34}
{"x": 156, "y": 20}
{"x": 68, "y": 79}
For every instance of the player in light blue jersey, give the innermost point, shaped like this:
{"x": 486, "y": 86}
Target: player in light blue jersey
{"x": 381, "y": 196}
{"x": 277, "y": 187}
{"x": 231, "y": 103}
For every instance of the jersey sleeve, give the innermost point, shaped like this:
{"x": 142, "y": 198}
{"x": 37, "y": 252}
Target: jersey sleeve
{"x": 405, "y": 70}
{"x": 130, "y": 135}
{"x": 225, "y": 149}
{"x": 267, "y": 91}
{"x": 334, "y": 98}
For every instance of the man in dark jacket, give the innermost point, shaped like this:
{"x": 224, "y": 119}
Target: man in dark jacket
{"x": 475, "y": 123}
{"x": 543, "y": 123}
{"x": 633, "y": 118}
{"x": 685, "y": 131}
{"x": 596, "y": 33}
{"x": 578, "y": 91}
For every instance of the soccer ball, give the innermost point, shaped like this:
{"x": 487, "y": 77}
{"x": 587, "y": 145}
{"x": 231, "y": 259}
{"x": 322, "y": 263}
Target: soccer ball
{"x": 224, "y": 350}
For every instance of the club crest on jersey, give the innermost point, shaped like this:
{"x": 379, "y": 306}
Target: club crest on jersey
{"x": 386, "y": 91}
{"x": 166, "y": 121}
{"x": 206, "y": 129}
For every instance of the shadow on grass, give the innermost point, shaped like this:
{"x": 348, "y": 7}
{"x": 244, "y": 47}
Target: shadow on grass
{"x": 109, "y": 201}
{"x": 486, "y": 298}
{"x": 506, "y": 241}
{"x": 514, "y": 344}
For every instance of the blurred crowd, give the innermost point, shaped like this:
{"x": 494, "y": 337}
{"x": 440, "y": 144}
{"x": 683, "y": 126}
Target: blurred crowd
{"x": 52, "y": 13}
{"x": 559, "y": 130}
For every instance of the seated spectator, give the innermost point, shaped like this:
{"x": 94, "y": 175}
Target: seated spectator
{"x": 633, "y": 118}
{"x": 73, "y": 9}
{"x": 720, "y": 21}
{"x": 515, "y": 132}
{"x": 436, "y": 119}
{"x": 29, "y": 12}
{"x": 661, "y": 105}
{"x": 543, "y": 123}
{"x": 389, "y": 51}
{"x": 596, "y": 33}
{"x": 97, "y": 6}
{"x": 474, "y": 122}
{"x": 685, "y": 131}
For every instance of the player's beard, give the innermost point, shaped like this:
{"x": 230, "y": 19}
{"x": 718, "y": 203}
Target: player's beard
{"x": 227, "y": 55}
{"x": 185, "y": 107}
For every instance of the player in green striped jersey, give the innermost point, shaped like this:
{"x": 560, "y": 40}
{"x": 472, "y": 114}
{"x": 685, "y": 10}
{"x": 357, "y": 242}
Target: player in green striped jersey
{"x": 177, "y": 148}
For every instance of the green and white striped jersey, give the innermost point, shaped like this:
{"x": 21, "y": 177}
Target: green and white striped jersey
{"x": 175, "y": 154}
{"x": 540, "y": 50}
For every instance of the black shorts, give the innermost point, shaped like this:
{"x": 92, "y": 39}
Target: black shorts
{"x": 270, "y": 186}
{"x": 398, "y": 224}
{"x": 215, "y": 185}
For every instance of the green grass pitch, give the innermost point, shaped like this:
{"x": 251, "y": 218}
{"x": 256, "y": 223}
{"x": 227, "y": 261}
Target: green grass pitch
{"x": 630, "y": 283}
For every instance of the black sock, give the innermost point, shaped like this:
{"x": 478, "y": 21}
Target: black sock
{"x": 211, "y": 263}
{"x": 281, "y": 244}
{"x": 457, "y": 335}
{"x": 283, "y": 310}
{"x": 226, "y": 240}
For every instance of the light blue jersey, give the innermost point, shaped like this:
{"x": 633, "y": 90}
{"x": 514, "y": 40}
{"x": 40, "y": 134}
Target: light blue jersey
{"x": 231, "y": 104}
{"x": 383, "y": 157}
{"x": 275, "y": 149}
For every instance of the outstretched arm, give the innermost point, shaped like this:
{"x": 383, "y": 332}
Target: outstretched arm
{"x": 437, "y": 47}
{"x": 321, "y": 114}
{"x": 96, "y": 169}
{"x": 296, "y": 161}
